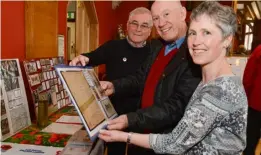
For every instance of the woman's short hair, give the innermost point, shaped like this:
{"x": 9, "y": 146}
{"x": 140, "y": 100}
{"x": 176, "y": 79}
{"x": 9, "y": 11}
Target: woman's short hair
{"x": 224, "y": 16}
{"x": 141, "y": 10}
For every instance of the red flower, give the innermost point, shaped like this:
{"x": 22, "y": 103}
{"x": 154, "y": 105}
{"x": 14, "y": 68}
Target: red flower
{"x": 19, "y": 135}
{"x": 24, "y": 142}
{"x": 6, "y": 147}
{"x": 62, "y": 136}
{"x": 38, "y": 137}
{"x": 54, "y": 135}
{"x": 38, "y": 142}
{"x": 53, "y": 139}
{"x": 58, "y": 152}
{"x": 33, "y": 132}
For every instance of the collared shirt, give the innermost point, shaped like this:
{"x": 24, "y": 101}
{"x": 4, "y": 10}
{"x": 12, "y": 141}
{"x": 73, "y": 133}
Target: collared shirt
{"x": 134, "y": 45}
{"x": 173, "y": 45}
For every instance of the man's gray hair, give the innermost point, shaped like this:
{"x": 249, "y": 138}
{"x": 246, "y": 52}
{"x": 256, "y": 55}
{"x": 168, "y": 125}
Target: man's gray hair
{"x": 224, "y": 16}
{"x": 141, "y": 10}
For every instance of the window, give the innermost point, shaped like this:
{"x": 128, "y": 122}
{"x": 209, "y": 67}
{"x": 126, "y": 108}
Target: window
{"x": 249, "y": 36}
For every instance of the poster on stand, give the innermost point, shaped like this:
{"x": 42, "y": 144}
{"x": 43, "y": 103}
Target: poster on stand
{"x": 43, "y": 80}
{"x": 15, "y": 114}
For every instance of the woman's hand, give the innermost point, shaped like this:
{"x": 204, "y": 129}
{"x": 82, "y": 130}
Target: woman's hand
{"x": 113, "y": 136}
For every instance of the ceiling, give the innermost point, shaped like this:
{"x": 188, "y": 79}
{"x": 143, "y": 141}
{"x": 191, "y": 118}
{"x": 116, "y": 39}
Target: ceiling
{"x": 248, "y": 11}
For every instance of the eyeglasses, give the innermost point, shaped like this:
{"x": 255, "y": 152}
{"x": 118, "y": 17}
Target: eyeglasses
{"x": 135, "y": 25}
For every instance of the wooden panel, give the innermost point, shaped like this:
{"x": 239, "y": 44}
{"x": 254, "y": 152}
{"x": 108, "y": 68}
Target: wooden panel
{"x": 41, "y": 29}
{"x": 94, "y": 25}
{"x": 86, "y": 27}
{"x": 91, "y": 12}
{"x": 82, "y": 29}
{"x": 93, "y": 36}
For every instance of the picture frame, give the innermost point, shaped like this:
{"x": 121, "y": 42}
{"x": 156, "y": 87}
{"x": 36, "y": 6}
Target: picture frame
{"x": 81, "y": 85}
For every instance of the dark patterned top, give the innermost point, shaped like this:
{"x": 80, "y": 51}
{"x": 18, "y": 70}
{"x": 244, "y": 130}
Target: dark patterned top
{"x": 214, "y": 122}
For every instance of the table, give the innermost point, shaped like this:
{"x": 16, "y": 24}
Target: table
{"x": 33, "y": 134}
{"x": 32, "y": 140}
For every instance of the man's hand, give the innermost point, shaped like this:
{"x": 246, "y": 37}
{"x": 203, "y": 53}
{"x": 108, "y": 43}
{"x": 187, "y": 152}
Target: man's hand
{"x": 79, "y": 61}
{"x": 113, "y": 136}
{"x": 118, "y": 123}
{"x": 107, "y": 87}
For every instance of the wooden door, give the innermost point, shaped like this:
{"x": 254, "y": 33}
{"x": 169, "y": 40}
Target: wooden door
{"x": 86, "y": 27}
{"x": 41, "y": 28}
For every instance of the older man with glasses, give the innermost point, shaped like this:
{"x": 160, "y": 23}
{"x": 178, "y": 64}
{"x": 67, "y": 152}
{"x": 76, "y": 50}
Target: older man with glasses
{"x": 122, "y": 58}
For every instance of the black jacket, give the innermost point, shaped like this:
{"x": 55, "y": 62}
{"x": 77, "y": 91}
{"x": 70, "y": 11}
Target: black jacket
{"x": 177, "y": 84}
{"x": 121, "y": 59}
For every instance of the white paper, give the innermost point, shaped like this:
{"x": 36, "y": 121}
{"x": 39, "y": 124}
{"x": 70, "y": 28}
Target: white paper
{"x": 38, "y": 64}
{"x": 69, "y": 119}
{"x": 43, "y": 85}
{"x": 62, "y": 95}
{"x": 19, "y": 118}
{"x": 15, "y": 103}
{"x": 47, "y": 85}
{"x": 60, "y": 45}
{"x": 56, "y": 89}
{"x": 63, "y": 102}
{"x": 58, "y": 104}
{"x": 54, "y": 74}
{"x": 51, "y": 62}
{"x": 26, "y": 149}
{"x": 60, "y": 128}
{"x": 59, "y": 81}
{"x": 48, "y": 75}
{"x": 45, "y": 77}
{"x": 51, "y": 74}
{"x": 14, "y": 94}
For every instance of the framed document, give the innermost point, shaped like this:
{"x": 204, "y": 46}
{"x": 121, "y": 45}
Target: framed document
{"x": 84, "y": 89}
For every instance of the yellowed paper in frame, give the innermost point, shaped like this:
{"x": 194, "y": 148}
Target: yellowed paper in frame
{"x": 84, "y": 98}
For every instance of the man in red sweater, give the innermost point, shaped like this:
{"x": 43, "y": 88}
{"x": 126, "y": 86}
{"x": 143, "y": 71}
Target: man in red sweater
{"x": 252, "y": 84}
{"x": 165, "y": 81}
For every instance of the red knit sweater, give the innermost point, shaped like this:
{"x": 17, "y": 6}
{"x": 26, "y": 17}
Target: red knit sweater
{"x": 252, "y": 79}
{"x": 153, "y": 78}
